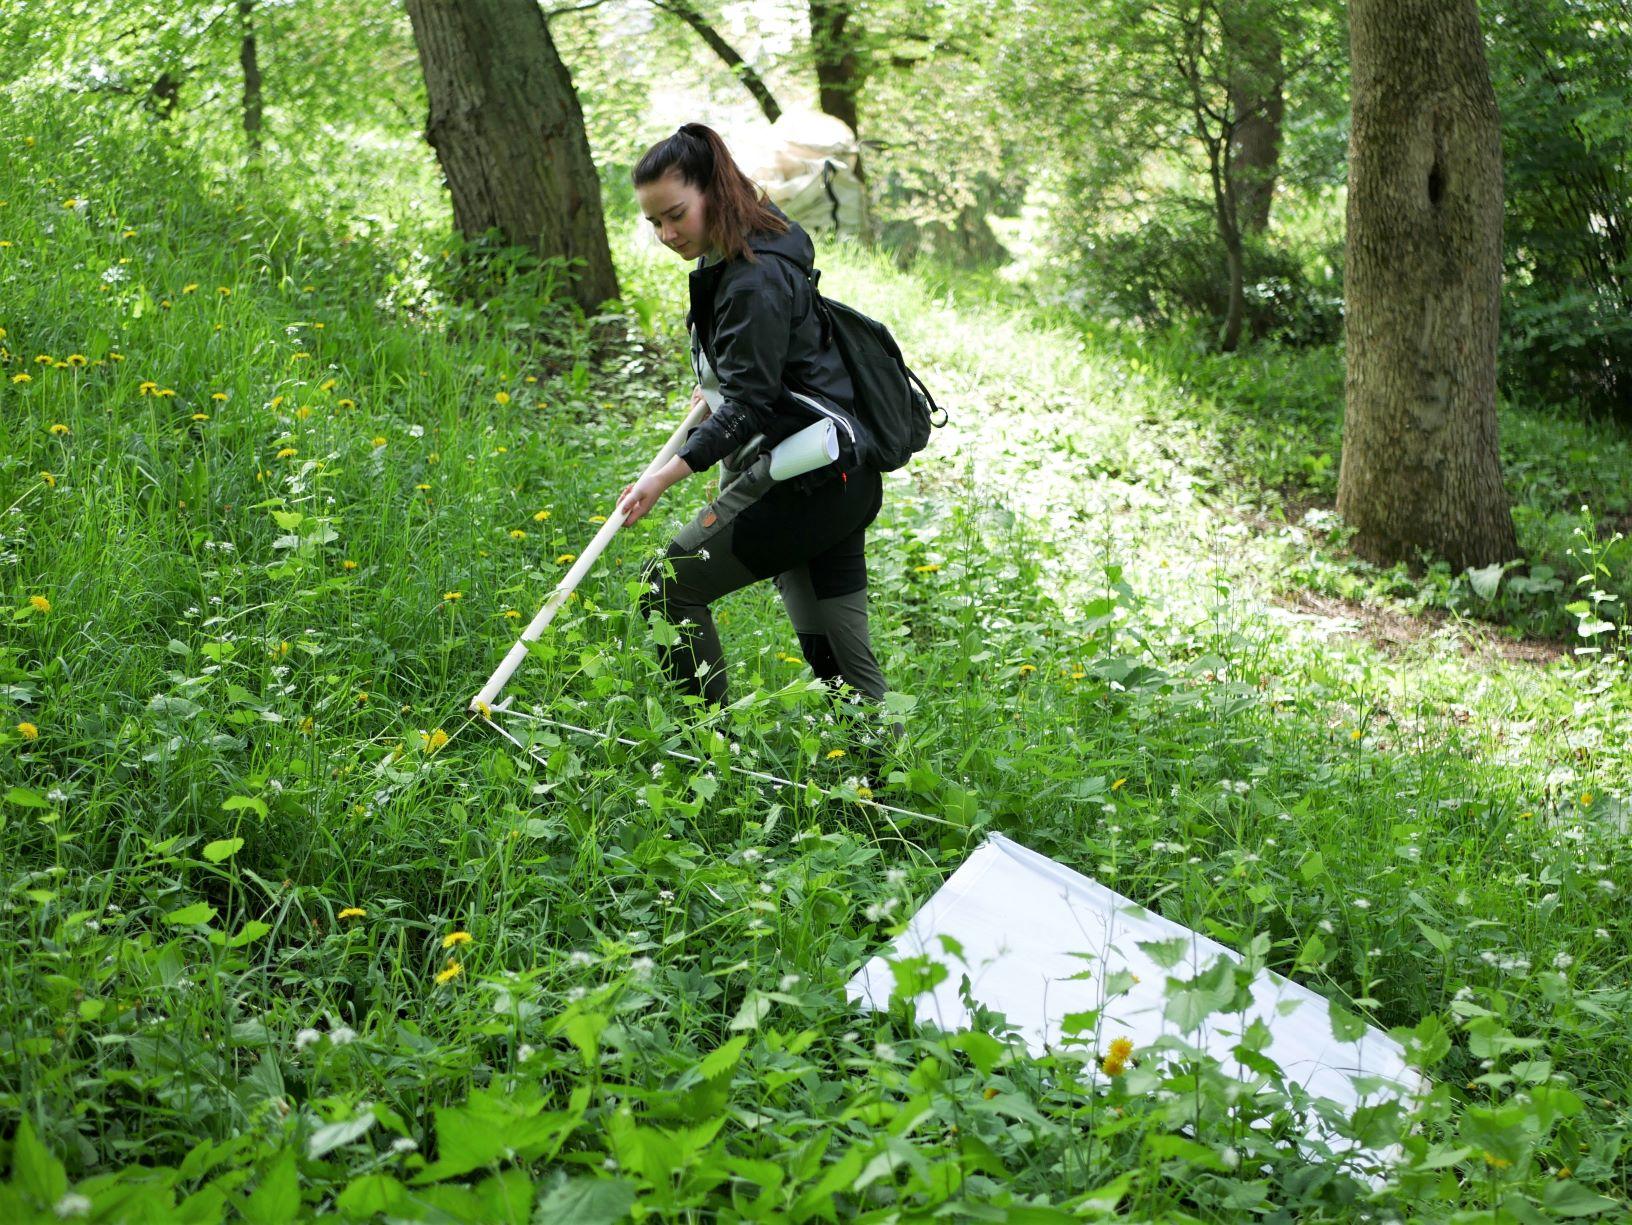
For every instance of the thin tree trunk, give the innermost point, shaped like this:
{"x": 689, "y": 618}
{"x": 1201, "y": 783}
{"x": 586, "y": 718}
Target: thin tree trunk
{"x": 250, "y": 61}
{"x": 1421, "y": 467}
{"x": 508, "y": 130}
{"x": 1257, "y": 104}
{"x": 740, "y": 68}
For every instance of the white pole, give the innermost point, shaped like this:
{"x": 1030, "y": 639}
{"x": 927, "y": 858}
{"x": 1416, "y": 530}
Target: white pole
{"x": 483, "y": 701}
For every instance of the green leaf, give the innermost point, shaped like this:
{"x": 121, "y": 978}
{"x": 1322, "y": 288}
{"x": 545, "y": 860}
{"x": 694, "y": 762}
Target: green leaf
{"x": 371, "y": 1194}
{"x": 1166, "y": 953}
{"x": 1346, "y": 1026}
{"x": 234, "y": 802}
{"x": 332, "y": 1135}
{"x": 222, "y": 848}
{"x": 723, "y": 1059}
{"x": 277, "y": 1200}
{"x": 752, "y": 1012}
{"x": 1569, "y": 1198}
{"x": 24, "y": 798}
{"x": 288, "y": 520}
{"x": 1191, "y": 1003}
{"x": 983, "y": 1050}
{"x": 189, "y": 916}
{"x": 588, "y": 1201}
{"x": 36, "y": 1171}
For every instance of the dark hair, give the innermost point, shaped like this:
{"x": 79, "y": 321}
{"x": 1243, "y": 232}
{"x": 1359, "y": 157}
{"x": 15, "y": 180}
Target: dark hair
{"x": 736, "y": 207}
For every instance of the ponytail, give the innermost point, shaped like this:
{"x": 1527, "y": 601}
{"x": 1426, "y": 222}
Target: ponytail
{"x": 736, "y": 207}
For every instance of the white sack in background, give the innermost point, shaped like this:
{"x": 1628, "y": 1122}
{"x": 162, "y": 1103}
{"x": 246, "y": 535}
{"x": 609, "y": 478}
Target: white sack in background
{"x": 1024, "y": 920}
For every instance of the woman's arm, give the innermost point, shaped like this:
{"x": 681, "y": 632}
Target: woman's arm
{"x": 637, "y": 499}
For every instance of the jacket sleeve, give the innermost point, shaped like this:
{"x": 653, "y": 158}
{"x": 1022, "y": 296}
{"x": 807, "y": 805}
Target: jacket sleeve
{"x": 753, "y": 322}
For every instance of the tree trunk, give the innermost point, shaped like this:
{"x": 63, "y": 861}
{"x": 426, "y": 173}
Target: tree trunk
{"x": 1257, "y": 103}
{"x": 251, "y": 64}
{"x": 164, "y": 95}
{"x": 1421, "y": 468}
{"x": 740, "y": 68}
{"x": 509, "y": 133}
{"x": 838, "y": 66}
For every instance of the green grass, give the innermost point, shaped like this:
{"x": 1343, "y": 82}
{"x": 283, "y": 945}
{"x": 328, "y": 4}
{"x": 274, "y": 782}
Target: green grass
{"x": 648, "y": 1014}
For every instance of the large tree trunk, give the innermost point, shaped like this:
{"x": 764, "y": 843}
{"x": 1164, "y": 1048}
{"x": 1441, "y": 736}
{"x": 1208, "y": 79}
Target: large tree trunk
{"x": 740, "y": 68}
{"x": 838, "y": 65}
{"x": 249, "y": 60}
{"x": 509, "y": 133}
{"x": 1421, "y": 468}
{"x": 1256, "y": 100}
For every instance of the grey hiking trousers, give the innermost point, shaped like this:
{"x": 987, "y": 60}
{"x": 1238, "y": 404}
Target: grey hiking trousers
{"x": 809, "y": 534}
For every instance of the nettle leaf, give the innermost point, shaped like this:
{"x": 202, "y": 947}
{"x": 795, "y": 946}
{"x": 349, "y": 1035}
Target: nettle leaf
{"x": 288, "y": 520}
{"x": 332, "y": 1135}
{"x": 914, "y": 976}
{"x": 189, "y": 916}
{"x": 1191, "y": 1003}
{"x": 1166, "y": 953}
{"x": 1346, "y": 1026}
{"x": 235, "y": 802}
{"x": 588, "y": 1201}
{"x": 277, "y": 1199}
{"x": 34, "y": 1168}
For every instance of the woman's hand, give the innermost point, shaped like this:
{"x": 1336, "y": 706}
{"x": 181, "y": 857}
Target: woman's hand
{"x": 697, "y": 398}
{"x": 637, "y": 499}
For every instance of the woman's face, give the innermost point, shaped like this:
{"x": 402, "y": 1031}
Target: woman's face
{"x": 677, "y": 212}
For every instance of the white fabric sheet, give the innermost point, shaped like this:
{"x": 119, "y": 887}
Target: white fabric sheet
{"x": 1024, "y": 920}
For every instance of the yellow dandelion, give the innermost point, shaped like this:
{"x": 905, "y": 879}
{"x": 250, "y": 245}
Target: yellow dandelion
{"x": 327, "y": 385}
{"x": 281, "y": 649}
{"x": 306, "y": 725}
{"x": 362, "y": 697}
{"x": 49, "y": 479}
{"x": 39, "y": 603}
{"x": 1027, "y": 669}
{"x": 379, "y": 440}
{"x": 1586, "y": 799}
{"x": 435, "y": 457}
{"x": 70, "y": 202}
{"x": 541, "y": 516}
{"x": 224, "y": 290}
{"x": 319, "y": 326}
{"x": 865, "y": 792}
{"x": 77, "y": 359}
{"x": 276, "y": 400}
{"x": 1116, "y": 1062}
{"x": 348, "y": 564}
{"x": 483, "y": 709}
{"x": 28, "y": 731}
{"x": 435, "y": 740}
{"x": 531, "y": 378}
{"x": 565, "y": 558}
{"x": 454, "y": 939}
{"x": 503, "y": 397}
{"x": 285, "y": 452}
{"x": 23, "y": 377}
{"x": 834, "y": 754}
{"x": 190, "y": 287}
{"x": 517, "y": 534}
{"x": 422, "y": 486}
{"x": 166, "y": 393}
{"x": 303, "y": 412}
{"x": 450, "y": 596}
{"x": 218, "y": 396}
{"x": 59, "y": 429}
{"x": 44, "y": 359}
{"x": 127, "y": 234}
{"x": 352, "y": 912}
{"x": 1078, "y": 675}
{"x": 597, "y": 518}
{"x": 164, "y": 304}
{"x": 299, "y": 356}
{"x": 453, "y": 971}
{"x": 5, "y": 242}
{"x": 344, "y": 403}
{"x": 116, "y": 357}
{"x": 146, "y": 387}
{"x": 931, "y": 568}
{"x": 201, "y": 416}
{"x": 1355, "y": 734}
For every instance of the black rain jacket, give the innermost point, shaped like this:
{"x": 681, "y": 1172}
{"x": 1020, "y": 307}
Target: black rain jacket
{"x": 758, "y": 325}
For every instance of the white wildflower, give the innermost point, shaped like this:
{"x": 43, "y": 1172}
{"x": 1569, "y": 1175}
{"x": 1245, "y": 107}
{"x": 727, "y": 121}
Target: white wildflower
{"x": 305, "y": 1038}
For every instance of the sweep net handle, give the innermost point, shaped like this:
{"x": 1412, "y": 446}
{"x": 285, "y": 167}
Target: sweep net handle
{"x": 501, "y": 675}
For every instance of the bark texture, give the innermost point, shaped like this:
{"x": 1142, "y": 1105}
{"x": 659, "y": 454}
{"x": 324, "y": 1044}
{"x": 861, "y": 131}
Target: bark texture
{"x": 1257, "y": 99}
{"x": 509, "y": 134}
{"x": 1421, "y": 467}
{"x": 838, "y": 64}
{"x": 249, "y": 60}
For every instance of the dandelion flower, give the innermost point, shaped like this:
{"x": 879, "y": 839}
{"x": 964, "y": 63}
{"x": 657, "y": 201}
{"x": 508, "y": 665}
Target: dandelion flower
{"x": 597, "y": 518}
{"x": 503, "y": 397}
{"x": 353, "y": 912}
{"x": 379, "y": 440}
{"x": 218, "y": 396}
{"x": 165, "y": 393}
{"x": 1027, "y": 669}
{"x": 454, "y": 939}
{"x": 276, "y": 400}
{"x": 285, "y": 452}
{"x": 1586, "y": 799}
{"x": 541, "y": 516}
{"x": 345, "y": 403}
{"x": 326, "y": 385}
{"x": 450, "y": 596}
{"x": 115, "y": 357}
{"x": 306, "y": 725}
{"x": 43, "y": 359}
{"x": 348, "y": 564}
{"x": 59, "y": 429}
{"x": 517, "y": 534}
{"x": 146, "y": 387}
{"x": 929, "y": 569}
{"x": 1116, "y": 1062}
{"x": 1355, "y": 734}
{"x": 201, "y": 416}
{"x": 565, "y": 558}
{"x": 435, "y": 740}
{"x": 23, "y": 377}
{"x": 190, "y": 287}
{"x": 76, "y": 359}
{"x": 49, "y": 479}
{"x": 39, "y": 603}
{"x": 453, "y": 971}
{"x": 1118, "y": 783}
{"x": 834, "y": 754}
{"x": 303, "y": 412}
{"x": 28, "y": 731}
{"x": 224, "y": 290}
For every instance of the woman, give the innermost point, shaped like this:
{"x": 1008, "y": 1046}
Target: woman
{"x": 764, "y": 373}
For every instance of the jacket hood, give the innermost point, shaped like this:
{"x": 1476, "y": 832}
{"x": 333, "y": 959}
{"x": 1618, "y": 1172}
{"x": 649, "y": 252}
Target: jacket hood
{"x": 794, "y": 245}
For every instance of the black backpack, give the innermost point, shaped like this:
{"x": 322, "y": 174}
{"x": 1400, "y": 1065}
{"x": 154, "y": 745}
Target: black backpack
{"x": 893, "y": 407}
